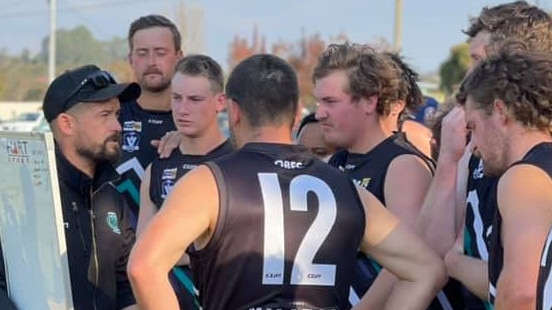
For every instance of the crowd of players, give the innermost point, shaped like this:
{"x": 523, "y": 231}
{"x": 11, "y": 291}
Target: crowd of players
{"x": 366, "y": 208}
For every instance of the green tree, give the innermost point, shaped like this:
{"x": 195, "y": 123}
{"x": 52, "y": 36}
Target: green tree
{"x": 24, "y": 76}
{"x": 453, "y": 70}
{"x": 75, "y": 47}
{"x": 116, "y": 49}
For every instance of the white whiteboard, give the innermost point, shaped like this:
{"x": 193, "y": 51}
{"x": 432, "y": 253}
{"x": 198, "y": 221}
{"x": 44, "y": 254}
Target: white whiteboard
{"x": 31, "y": 223}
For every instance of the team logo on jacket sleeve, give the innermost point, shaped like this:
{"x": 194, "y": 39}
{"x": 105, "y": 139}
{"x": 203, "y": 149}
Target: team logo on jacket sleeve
{"x": 113, "y": 222}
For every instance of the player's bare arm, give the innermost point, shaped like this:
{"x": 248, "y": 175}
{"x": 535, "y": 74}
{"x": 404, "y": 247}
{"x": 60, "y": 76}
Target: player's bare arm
{"x": 525, "y": 203}
{"x": 406, "y": 184}
{"x": 163, "y": 241}
{"x": 471, "y": 272}
{"x": 437, "y": 222}
{"x": 397, "y": 248}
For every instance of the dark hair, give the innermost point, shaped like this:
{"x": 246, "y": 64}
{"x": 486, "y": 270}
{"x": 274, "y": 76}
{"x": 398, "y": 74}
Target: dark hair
{"x": 310, "y": 118}
{"x": 369, "y": 73}
{"x": 409, "y": 91}
{"x": 518, "y": 20}
{"x": 436, "y": 124}
{"x": 266, "y": 89}
{"x": 521, "y": 79}
{"x": 150, "y": 21}
{"x": 205, "y": 66}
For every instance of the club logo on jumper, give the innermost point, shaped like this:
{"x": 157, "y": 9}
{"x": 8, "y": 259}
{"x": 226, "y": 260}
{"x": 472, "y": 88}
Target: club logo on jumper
{"x": 131, "y": 142}
{"x": 166, "y": 188}
{"x": 478, "y": 172}
{"x": 132, "y": 126}
{"x": 17, "y": 151}
{"x": 168, "y": 177}
{"x": 113, "y": 222}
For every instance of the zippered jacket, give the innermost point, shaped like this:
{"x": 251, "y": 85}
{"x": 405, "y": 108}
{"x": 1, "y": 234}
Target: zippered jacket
{"x": 99, "y": 236}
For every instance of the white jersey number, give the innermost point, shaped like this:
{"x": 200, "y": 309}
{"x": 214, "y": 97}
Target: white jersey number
{"x": 303, "y": 272}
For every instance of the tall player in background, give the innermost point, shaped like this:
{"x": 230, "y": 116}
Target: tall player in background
{"x": 155, "y": 48}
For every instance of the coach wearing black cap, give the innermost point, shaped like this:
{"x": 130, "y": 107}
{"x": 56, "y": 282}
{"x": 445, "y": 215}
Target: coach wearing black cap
{"x": 82, "y": 107}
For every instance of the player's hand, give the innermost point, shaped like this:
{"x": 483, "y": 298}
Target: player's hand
{"x": 453, "y": 135}
{"x": 454, "y": 253}
{"x": 167, "y": 144}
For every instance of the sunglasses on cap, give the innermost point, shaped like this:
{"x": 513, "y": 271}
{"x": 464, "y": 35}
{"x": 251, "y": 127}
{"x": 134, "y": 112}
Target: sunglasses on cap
{"x": 98, "y": 79}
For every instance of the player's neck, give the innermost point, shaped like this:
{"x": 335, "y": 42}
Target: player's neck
{"x": 522, "y": 141}
{"x": 160, "y": 101}
{"x": 266, "y": 134}
{"x": 201, "y": 145}
{"x": 370, "y": 137}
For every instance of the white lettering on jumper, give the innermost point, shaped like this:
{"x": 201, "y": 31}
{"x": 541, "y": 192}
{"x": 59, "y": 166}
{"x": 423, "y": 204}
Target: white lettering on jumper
{"x": 288, "y": 164}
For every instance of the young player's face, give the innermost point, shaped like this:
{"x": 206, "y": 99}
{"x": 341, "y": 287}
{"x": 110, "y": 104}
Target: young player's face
{"x": 97, "y": 130}
{"x": 194, "y": 104}
{"x": 153, "y": 58}
{"x": 312, "y": 138}
{"x": 339, "y": 116}
{"x": 489, "y": 141}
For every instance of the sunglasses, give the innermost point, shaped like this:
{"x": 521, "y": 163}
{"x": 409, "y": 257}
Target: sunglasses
{"x": 98, "y": 79}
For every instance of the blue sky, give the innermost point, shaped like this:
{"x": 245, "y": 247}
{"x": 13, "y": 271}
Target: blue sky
{"x": 430, "y": 27}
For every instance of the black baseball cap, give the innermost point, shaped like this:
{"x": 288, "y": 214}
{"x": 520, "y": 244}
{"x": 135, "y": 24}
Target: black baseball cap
{"x": 84, "y": 84}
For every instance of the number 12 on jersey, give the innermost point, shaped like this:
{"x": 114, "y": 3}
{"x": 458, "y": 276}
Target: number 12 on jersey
{"x": 304, "y": 271}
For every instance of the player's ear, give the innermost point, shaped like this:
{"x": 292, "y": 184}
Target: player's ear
{"x": 66, "y": 124}
{"x": 179, "y": 54}
{"x": 220, "y": 102}
{"x": 369, "y": 104}
{"x": 500, "y": 108}
{"x": 234, "y": 111}
{"x": 298, "y": 114}
{"x": 397, "y": 107}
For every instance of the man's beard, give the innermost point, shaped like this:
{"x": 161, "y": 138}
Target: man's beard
{"x": 159, "y": 87}
{"x": 103, "y": 152}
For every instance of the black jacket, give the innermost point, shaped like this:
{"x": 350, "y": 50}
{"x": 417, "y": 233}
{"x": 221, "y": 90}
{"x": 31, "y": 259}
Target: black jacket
{"x": 99, "y": 237}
